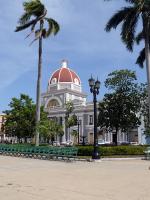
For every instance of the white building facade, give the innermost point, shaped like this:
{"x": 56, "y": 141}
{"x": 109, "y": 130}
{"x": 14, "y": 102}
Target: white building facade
{"x": 65, "y": 85}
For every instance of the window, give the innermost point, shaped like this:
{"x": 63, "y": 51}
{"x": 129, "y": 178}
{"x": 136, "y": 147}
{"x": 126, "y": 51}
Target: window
{"x": 90, "y": 119}
{"x": 54, "y": 80}
{"x": 76, "y": 81}
{"x": 52, "y": 103}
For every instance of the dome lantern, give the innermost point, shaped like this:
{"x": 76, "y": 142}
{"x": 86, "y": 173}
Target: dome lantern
{"x": 64, "y": 64}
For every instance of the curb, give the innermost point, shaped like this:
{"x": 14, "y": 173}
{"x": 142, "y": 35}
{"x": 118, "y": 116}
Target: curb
{"x": 110, "y": 159}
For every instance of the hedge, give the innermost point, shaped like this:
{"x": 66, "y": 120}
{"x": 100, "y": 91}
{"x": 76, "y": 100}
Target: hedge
{"x": 105, "y": 151}
{"x": 112, "y": 151}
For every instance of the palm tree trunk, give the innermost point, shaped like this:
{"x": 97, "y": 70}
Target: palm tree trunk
{"x": 38, "y": 91}
{"x": 66, "y": 127}
{"x": 147, "y": 56}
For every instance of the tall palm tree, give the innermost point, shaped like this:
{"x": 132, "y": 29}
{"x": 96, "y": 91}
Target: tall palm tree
{"x": 69, "y": 109}
{"x": 129, "y": 17}
{"x": 34, "y": 16}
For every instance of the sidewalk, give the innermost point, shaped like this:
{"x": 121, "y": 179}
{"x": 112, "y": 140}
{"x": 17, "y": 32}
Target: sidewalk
{"x": 29, "y": 179}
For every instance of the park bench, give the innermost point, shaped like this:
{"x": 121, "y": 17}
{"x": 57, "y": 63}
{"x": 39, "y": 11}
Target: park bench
{"x": 147, "y": 153}
{"x": 39, "y": 152}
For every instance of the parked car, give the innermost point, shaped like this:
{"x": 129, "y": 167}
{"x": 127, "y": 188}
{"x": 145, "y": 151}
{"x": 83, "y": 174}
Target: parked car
{"x": 101, "y": 141}
{"x": 67, "y": 143}
{"x": 56, "y": 143}
{"x": 134, "y": 143}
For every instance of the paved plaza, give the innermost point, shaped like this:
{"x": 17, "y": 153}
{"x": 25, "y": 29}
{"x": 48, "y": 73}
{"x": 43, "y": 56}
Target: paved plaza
{"x": 29, "y": 179}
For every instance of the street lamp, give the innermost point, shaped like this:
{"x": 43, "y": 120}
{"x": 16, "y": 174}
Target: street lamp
{"x": 94, "y": 89}
{"x": 78, "y": 123}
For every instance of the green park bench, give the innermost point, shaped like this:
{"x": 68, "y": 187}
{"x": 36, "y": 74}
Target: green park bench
{"x": 147, "y": 153}
{"x": 39, "y": 152}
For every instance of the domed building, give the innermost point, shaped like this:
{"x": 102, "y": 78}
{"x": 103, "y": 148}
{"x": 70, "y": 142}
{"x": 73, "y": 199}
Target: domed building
{"x": 64, "y": 85}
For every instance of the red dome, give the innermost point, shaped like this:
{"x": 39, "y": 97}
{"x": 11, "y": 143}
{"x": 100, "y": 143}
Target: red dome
{"x": 64, "y": 75}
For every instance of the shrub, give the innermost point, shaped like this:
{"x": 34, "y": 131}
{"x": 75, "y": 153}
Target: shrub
{"x": 111, "y": 151}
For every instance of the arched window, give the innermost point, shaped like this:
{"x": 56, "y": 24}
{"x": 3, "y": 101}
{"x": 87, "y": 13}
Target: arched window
{"x": 52, "y": 103}
{"x": 54, "y": 80}
{"x": 76, "y": 81}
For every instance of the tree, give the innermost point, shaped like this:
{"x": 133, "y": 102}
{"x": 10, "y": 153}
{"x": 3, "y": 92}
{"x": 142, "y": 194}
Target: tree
{"x": 71, "y": 121}
{"x": 119, "y": 108}
{"x": 20, "y": 119}
{"x": 129, "y": 17}
{"x": 35, "y": 15}
{"x": 74, "y": 133}
{"x": 49, "y": 129}
{"x": 145, "y": 110}
{"x": 69, "y": 109}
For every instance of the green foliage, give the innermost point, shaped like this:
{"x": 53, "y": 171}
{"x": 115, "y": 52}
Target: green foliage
{"x": 128, "y": 17}
{"x": 112, "y": 151}
{"x": 119, "y": 109}
{"x": 20, "y": 119}
{"x": 36, "y": 10}
{"x": 69, "y": 107}
{"x": 53, "y": 27}
{"x": 145, "y": 109}
{"x": 121, "y": 80}
{"x": 71, "y": 121}
{"x": 50, "y": 128}
{"x": 74, "y": 133}
{"x": 34, "y": 7}
{"x": 34, "y": 16}
{"x": 122, "y": 150}
{"x": 141, "y": 58}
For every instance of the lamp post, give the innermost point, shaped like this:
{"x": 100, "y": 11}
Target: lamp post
{"x": 69, "y": 109}
{"x": 78, "y": 123}
{"x": 94, "y": 89}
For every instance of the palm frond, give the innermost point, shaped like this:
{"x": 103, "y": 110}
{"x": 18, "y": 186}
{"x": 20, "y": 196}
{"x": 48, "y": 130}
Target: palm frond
{"x": 129, "y": 29}
{"x": 33, "y": 41}
{"x": 128, "y": 1}
{"x": 53, "y": 27}
{"x": 117, "y": 18}
{"x": 31, "y": 23}
{"x": 139, "y": 37}
{"x": 44, "y": 33}
{"x": 24, "y": 18}
{"x": 141, "y": 58}
{"x": 38, "y": 34}
{"x": 34, "y": 7}
{"x": 32, "y": 30}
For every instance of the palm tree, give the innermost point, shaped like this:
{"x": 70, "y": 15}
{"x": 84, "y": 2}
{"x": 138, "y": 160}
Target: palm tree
{"x": 129, "y": 17}
{"x": 35, "y": 17}
{"x": 69, "y": 109}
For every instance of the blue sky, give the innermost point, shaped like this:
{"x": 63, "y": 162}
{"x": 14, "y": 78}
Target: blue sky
{"x": 81, "y": 40}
